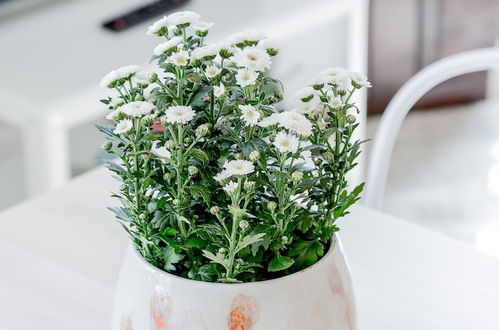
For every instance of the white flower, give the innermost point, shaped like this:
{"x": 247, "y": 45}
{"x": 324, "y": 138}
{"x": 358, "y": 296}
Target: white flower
{"x": 218, "y": 91}
{"x": 160, "y": 151}
{"x": 180, "y": 58}
{"x": 123, "y": 126}
{"x": 183, "y": 17}
{"x": 205, "y": 51}
{"x": 239, "y": 167}
{"x": 335, "y": 102}
{"x": 252, "y": 58}
{"x": 179, "y": 114}
{"x": 212, "y": 71}
{"x": 163, "y": 47}
{"x": 141, "y": 78}
{"x": 230, "y": 187}
{"x": 359, "y": 80}
{"x": 336, "y": 76}
{"x": 123, "y": 72}
{"x": 295, "y": 122}
{"x": 246, "y": 77}
{"x": 243, "y": 224}
{"x": 249, "y": 35}
{"x": 222, "y": 176}
{"x": 137, "y": 108}
{"x": 202, "y": 26}
{"x": 250, "y": 114}
{"x": 156, "y": 26}
{"x": 273, "y": 119}
{"x": 113, "y": 114}
{"x": 269, "y": 44}
{"x": 307, "y": 100}
{"x": 286, "y": 142}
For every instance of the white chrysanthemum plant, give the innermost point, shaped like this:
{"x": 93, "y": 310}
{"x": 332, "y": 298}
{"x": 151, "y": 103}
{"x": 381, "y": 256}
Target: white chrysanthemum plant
{"x": 218, "y": 183}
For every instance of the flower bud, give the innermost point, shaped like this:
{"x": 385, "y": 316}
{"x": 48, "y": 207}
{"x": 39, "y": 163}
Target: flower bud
{"x": 271, "y": 206}
{"x": 317, "y": 86}
{"x": 225, "y": 53}
{"x": 194, "y": 77}
{"x": 243, "y": 224}
{"x": 163, "y": 122}
{"x": 147, "y": 121}
{"x": 249, "y": 185}
{"x": 176, "y": 201}
{"x": 272, "y": 51}
{"x": 201, "y": 34}
{"x": 202, "y": 130}
{"x": 169, "y": 144}
{"x": 214, "y": 210}
{"x": 142, "y": 216}
{"x": 351, "y": 119}
{"x": 167, "y": 176}
{"x": 193, "y": 170}
{"x": 123, "y": 188}
{"x": 238, "y": 156}
{"x": 254, "y": 156}
{"x": 107, "y": 146}
{"x": 284, "y": 239}
{"x": 327, "y": 155}
{"x": 222, "y": 250}
{"x": 297, "y": 176}
{"x": 153, "y": 77}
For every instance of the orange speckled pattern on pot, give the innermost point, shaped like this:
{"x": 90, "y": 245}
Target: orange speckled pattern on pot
{"x": 317, "y": 298}
{"x": 160, "y": 312}
{"x": 338, "y": 287}
{"x": 244, "y": 313}
{"x": 126, "y": 323}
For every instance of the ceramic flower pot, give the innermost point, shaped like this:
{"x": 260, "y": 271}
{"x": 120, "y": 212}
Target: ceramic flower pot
{"x": 319, "y": 297}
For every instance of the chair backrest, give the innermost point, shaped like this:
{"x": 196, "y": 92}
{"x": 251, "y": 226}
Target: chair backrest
{"x": 404, "y": 100}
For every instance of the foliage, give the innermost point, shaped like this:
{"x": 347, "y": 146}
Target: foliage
{"x": 217, "y": 184}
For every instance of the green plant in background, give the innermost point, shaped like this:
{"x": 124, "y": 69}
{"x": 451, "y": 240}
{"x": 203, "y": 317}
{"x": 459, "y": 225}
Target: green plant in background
{"x": 217, "y": 183}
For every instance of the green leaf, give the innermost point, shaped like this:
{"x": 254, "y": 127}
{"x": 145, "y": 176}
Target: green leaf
{"x": 201, "y": 191}
{"x": 170, "y": 258}
{"x": 195, "y": 242}
{"x": 307, "y": 253}
{"x": 280, "y": 263}
{"x": 169, "y": 231}
{"x": 208, "y": 272}
{"x": 219, "y": 258}
{"x": 248, "y": 240}
{"x": 197, "y": 99}
{"x": 199, "y": 154}
{"x": 348, "y": 201}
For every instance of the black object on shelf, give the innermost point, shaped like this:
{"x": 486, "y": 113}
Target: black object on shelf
{"x": 142, "y": 14}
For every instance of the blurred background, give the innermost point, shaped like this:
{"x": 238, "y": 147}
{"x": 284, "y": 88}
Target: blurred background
{"x": 445, "y": 168}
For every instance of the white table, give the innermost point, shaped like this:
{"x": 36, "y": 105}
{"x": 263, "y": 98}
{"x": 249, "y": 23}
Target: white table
{"x": 51, "y": 61}
{"x": 60, "y": 255}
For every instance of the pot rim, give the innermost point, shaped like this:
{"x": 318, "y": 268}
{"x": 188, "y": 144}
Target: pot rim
{"x": 332, "y": 247}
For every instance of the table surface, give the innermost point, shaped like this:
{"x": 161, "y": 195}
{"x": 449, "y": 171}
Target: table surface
{"x": 61, "y": 254}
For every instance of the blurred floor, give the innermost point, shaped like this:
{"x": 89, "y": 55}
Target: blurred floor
{"x": 444, "y": 174}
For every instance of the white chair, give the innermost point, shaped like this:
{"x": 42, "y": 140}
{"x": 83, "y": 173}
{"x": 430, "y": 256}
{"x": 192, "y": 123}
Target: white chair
{"x": 404, "y": 100}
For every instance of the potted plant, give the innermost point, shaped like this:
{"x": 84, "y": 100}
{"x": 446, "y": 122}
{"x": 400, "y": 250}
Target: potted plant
{"x": 231, "y": 205}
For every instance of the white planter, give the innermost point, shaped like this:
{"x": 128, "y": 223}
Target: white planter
{"x": 317, "y": 298}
